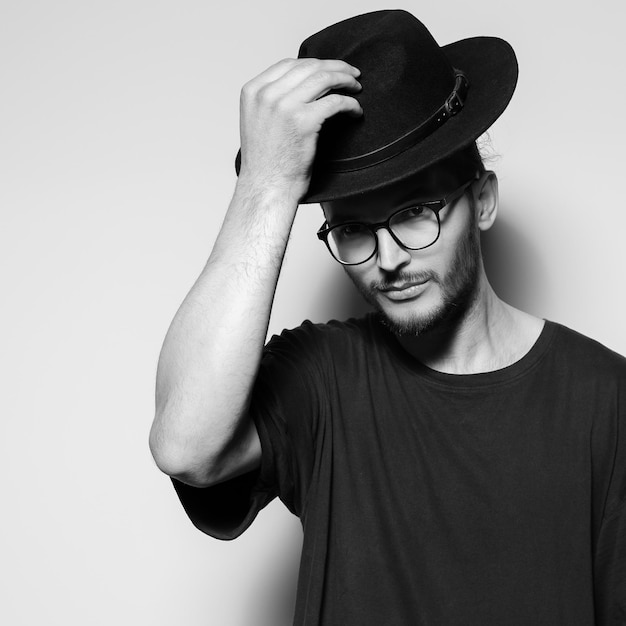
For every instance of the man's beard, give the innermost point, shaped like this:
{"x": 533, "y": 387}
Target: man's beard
{"x": 459, "y": 289}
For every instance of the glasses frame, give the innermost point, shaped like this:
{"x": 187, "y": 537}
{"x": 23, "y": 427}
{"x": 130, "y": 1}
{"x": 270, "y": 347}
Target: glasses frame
{"x": 434, "y": 205}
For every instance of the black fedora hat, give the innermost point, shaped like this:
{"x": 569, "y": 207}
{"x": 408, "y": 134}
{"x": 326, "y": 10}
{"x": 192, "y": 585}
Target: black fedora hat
{"x": 421, "y": 102}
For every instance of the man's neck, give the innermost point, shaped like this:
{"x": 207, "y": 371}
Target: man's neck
{"x": 489, "y": 336}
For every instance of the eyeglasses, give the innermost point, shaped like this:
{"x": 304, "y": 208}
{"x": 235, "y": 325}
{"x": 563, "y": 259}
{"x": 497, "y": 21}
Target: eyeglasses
{"x": 413, "y": 228}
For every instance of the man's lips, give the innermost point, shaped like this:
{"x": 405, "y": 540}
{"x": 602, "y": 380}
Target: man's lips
{"x": 403, "y": 291}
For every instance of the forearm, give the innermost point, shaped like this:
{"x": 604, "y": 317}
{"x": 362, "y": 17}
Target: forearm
{"x": 212, "y": 350}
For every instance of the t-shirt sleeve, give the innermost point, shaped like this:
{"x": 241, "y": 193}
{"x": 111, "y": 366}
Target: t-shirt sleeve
{"x": 285, "y": 409}
{"x": 225, "y": 510}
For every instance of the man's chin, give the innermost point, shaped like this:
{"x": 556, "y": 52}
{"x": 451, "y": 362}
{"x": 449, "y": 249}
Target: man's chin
{"x": 412, "y": 324}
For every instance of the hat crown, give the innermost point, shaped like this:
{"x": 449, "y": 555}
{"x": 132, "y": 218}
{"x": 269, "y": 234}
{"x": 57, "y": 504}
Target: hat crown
{"x": 406, "y": 78}
{"x": 421, "y": 102}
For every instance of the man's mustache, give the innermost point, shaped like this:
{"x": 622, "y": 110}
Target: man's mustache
{"x": 400, "y": 278}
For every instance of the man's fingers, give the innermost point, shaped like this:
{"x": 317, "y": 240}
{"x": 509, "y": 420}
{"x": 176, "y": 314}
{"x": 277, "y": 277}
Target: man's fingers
{"x": 292, "y": 83}
{"x": 320, "y": 83}
{"x": 312, "y": 72}
{"x": 305, "y": 67}
{"x": 291, "y": 72}
{"x": 332, "y": 104}
{"x": 313, "y": 87}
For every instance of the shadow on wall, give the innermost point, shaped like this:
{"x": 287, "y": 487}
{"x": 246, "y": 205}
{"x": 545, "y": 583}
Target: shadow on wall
{"x": 514, "y": 268}
{"x": 511, "y": 262}
{"x": 343, "y": 301}
{"x": 276, "y": 594}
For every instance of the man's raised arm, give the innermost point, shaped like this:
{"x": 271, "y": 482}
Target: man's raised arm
{"x": 201, "y": 432}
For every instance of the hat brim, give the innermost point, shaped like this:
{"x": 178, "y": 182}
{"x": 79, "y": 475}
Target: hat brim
{"x": 491, "y": 68}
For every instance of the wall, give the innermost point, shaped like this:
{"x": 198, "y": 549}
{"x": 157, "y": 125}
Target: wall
{"x": 118, "y": 130}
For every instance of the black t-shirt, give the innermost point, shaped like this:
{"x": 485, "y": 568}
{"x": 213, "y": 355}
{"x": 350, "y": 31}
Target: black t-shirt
{"x": 431, "y": 499}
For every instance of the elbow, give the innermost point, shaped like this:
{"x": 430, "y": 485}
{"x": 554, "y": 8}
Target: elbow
{"x": 177, "y": 463}
{"x": 167, "y": 459}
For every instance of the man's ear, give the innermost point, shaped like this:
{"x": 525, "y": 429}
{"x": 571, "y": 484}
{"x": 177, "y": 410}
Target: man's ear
{"x": 485, "y": 191}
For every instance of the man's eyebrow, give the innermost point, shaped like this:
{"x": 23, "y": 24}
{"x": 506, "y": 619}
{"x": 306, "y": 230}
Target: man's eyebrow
{"x": 413, "y": 197}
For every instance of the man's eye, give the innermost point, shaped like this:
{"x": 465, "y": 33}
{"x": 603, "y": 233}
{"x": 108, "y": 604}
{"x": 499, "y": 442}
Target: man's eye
{"x": 413, "y": 212}
{"x": 351, "y": 230}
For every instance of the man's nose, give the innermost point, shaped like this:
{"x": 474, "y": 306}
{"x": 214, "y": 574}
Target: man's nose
{"x": 391, "y": 255}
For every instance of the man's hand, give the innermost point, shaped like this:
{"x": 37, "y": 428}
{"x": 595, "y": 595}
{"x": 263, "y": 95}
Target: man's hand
{"x": 282, "y": 112}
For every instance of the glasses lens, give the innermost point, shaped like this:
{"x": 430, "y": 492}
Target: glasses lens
{"x": 351, "y": 243}
{"x": 416, "y": 227}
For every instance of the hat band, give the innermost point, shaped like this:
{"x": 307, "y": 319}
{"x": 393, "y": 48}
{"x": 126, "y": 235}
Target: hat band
{"x": 453, "y": 104}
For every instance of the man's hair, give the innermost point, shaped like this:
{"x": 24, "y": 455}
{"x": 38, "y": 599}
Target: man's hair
{"x": 465, "y": 163}
{"x": 454, "y": 170}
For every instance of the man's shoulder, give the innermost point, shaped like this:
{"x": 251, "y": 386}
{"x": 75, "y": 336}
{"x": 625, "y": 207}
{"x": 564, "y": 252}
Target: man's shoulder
{"x": 584, "y": 351}
{"x": 351, "y": 329}
{"x": 332, "y": 338}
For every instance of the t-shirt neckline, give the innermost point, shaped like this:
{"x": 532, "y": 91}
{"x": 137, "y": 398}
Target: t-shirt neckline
{"x": 480, "y": 379}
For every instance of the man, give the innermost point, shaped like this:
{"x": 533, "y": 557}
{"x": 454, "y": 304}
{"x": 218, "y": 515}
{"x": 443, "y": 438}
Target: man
{"x": 453, "y": 460}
